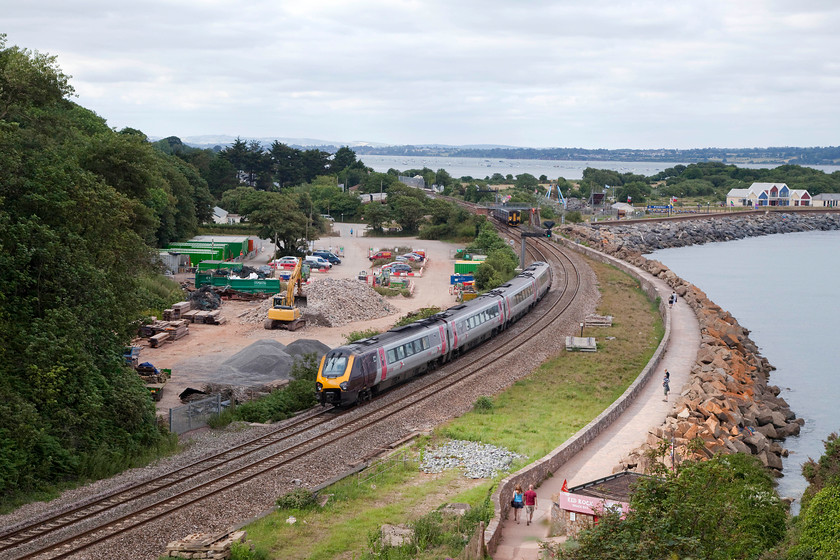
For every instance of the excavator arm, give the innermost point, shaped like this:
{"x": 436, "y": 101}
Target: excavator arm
{"x": 283, "y": 312}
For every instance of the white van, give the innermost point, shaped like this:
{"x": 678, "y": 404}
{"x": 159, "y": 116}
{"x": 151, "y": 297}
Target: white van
{"x": 327, "y": 217}
{"x": 317, "y": 262}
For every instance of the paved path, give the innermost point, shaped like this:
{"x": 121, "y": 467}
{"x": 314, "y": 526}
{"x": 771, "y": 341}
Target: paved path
{"x": 597, "y": 460}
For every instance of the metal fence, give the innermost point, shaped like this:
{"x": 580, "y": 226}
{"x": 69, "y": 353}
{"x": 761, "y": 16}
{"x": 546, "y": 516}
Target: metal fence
{"x": 194, "y": 415}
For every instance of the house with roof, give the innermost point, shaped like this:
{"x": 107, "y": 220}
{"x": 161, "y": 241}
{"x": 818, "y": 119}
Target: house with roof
{"x": 767, "y": 194}
{"x": 826, "y": 200}
{"x": 578, "y": 508}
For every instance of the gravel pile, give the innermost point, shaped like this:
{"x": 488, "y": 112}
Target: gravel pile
{"x": 265, "y": 361}
{"x": 337, "y": 301}
{"x": 479, "y": 460}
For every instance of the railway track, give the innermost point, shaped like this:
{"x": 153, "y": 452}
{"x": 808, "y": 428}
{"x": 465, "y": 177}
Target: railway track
{"x": 69, "y": 532}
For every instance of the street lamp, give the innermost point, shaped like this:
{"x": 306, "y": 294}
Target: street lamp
{"x": 581, "y": 330}
{"x": 342, "y": 216}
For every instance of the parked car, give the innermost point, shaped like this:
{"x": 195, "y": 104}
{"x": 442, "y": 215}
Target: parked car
{"x": 327, "y": 217}
{"x": 287, "y": 263}
{"x": 412, "y": 257}
{"x": 317, "y": 262}
{"x": 327, "y": 255}
{"x": 382, "y": 255}
{"x": 398, "y": 268}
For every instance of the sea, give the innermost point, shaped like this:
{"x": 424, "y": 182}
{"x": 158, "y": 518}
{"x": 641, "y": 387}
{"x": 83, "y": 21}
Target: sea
{"x": 783, "y": 288}
{"x": 479, "y": 168}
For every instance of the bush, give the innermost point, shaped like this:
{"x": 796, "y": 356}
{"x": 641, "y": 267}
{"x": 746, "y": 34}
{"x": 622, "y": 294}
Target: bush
{"x": 417, "y": 315}
{"x": 574, "y": 217}
{"x": 353, "y": 336}
{"x": 483, "y": 405}
{"x": 299, "y": 498}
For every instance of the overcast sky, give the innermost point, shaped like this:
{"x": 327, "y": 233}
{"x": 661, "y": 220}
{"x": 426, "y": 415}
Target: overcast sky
{"x": 576, "y": 73}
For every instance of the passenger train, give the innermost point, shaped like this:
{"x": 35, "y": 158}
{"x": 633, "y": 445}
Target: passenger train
{"x": 357, "y": 371}
{"x": 509, "y": 216}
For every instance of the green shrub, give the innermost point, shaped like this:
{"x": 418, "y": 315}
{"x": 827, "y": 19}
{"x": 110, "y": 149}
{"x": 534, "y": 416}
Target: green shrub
{"x": 423, "y": 313}
{"x": 243, "y": 551}
{"x": 574, "y": 217}
{"x": 299, "y": 498}
{"x": 353, "y": 336}
{"x": 483, "y": 404}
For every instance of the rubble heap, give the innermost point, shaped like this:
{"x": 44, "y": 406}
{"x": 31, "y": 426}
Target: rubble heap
{"x": 337, "y": 301}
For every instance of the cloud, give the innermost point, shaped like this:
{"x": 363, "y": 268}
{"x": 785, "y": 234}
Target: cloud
{"x": 534, "y": 73}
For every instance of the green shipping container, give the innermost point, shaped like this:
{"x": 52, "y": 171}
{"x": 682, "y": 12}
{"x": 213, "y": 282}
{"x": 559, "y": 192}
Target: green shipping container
{"x": 256, "y": 286}
{"x": 466, "y": 267}
{"x": 214, "y": 265}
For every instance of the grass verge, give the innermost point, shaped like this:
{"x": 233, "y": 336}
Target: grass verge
{"x": 532, "y": 417}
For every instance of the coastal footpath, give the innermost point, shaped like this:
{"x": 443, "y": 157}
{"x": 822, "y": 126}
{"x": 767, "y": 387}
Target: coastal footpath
{"x": 728, "y": 405}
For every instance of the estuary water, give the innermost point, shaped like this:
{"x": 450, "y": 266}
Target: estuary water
{"x": 479, "y": 168}
{"x": 783, "y": 288}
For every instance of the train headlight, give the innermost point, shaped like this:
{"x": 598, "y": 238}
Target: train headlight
{"x": 343, "y": 385}
{"x": 319, "y": 387}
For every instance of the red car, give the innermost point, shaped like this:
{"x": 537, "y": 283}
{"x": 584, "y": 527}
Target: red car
{"x": 381, "y": 255}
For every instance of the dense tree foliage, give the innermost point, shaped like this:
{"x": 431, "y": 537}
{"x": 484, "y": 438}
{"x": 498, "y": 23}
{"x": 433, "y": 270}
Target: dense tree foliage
{"x": 721, "y": 509}
{"x": 82, "y": 205}
{"x": 815, "y": 532}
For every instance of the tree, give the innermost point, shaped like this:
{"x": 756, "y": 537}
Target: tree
{"x": 526, "y": 181}
{"x": 408, "y": 212}
{"x": 28, "y": 79}
{"x": 376, "y": 214}
{"x": 280, "y": 219}
{"x": 343, "y": 158}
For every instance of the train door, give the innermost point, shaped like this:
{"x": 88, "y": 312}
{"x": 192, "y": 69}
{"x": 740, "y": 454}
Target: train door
{"x": 370, "y": 365}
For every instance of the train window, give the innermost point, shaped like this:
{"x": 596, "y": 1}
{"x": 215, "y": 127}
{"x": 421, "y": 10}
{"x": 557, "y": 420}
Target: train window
{"x": 418, "y": 346}
{"x": 334, "y": 366}
{"x": 392, "y": 356}
{"x": 426, "y": 342}
{"x": 408, "y": 348}
{"x": 400, "y": 352}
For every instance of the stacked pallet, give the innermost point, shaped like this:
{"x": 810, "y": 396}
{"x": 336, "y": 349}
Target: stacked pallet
{"x": 176, "y": 311}
{"x": 208, "y": 317}
{"x": 203, "y": 545}
{"x": 178, "y": 329}
{"x": 158, "y": 339}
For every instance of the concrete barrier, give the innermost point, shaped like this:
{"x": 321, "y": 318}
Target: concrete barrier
{"x": 539, "y": 470}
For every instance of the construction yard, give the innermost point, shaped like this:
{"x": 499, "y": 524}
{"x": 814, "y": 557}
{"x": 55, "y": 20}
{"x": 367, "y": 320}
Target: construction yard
{"x": 338, "y": 296}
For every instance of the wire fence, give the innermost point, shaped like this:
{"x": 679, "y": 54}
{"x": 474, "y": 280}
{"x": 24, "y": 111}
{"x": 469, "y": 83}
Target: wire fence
{"x": 195, "y": 414}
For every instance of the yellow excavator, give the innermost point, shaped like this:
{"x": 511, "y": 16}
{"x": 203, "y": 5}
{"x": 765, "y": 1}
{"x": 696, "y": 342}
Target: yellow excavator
{"x": 283, "y": 313}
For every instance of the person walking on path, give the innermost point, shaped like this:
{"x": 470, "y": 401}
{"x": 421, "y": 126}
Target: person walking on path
{"x": 672, "y": 299}
{"x": 666, "y": 384}
{"x": 530, "y": 503}
{"x": 517, "y": 502}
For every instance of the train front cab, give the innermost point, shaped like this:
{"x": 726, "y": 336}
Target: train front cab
{"x": 340, "y": 380}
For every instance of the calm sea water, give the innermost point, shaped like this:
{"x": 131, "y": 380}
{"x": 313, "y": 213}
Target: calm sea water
{"x": 480, "y": 168}
{"x": 783, "y": 288}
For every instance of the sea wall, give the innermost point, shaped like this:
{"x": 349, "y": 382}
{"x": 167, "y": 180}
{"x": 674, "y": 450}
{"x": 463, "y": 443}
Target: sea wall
{"x": 640, "y": 237}
{"x": 728, "y": 405}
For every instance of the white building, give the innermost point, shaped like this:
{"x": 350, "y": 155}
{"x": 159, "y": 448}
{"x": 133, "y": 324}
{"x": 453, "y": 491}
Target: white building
{"x": 826, "y": 200}
{"x": 767, "y": 194}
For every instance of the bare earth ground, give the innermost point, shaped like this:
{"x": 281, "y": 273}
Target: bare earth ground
{"x": 194, "y": 358}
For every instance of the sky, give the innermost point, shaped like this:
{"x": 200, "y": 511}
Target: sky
{"x": 566, "y": 73}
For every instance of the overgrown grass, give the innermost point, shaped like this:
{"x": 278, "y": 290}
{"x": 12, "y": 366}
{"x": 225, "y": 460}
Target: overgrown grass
{"x": 95, "y": 466}
{"x": 356, "y": 510}
{"x": 532, "y": 417}
{"x": 158, "y": 293}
